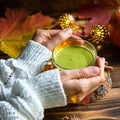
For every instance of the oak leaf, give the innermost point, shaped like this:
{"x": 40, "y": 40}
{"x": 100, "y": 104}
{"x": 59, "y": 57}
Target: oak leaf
{"x": 18, "y": 27}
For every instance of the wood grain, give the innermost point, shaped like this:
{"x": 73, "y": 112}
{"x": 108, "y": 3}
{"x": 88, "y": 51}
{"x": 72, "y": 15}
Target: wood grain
{"x": 105, "y": 109}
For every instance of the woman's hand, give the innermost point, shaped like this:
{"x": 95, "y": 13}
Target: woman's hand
{"x": 50, "y": 38}
{"x": 81, "y": 82}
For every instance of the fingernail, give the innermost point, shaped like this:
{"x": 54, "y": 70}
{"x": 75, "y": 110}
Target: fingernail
{"x": 68, "y": 30}
{"x": 95, "y": 70}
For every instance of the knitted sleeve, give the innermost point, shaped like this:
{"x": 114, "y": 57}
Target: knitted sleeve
{"x": 27, "y": 64}
{"x": 8, "y": 112}
{"x": 31, "y": 58}
{"x": 28, "y": 98}
{"x": 23, "y": 90}
{"x": 19, "y": 102}
{"x": 48, "y": 88}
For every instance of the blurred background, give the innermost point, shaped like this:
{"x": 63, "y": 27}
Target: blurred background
{"x": 46, "y": 6}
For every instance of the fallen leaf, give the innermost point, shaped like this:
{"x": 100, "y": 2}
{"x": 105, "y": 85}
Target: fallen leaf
{"x": 96, "y": 13}
{"x": 18, "y": 27}
{"x": 87, "y": 99}
{"x": 12, "y": 21}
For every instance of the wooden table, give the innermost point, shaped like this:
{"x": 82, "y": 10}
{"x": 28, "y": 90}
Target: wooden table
{"x": 108, "y": 108}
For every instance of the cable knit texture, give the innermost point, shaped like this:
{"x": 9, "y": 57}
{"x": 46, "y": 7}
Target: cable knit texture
{"x": 51, "y": 92}
{"x": 24, "y": 91}
{"x": 7, "y": 112}
{"x": 32, "y": 57}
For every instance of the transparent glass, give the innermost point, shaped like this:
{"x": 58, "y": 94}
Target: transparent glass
{"x": 73, "y": 54}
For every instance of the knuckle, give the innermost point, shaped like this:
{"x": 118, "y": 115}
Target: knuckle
{"x": 83, "y": 73}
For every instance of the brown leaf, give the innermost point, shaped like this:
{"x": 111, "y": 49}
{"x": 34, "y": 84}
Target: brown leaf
{"x": 13, "y": 20}
{"x": 98, "y": 15}
{"x": 18, "y": 27}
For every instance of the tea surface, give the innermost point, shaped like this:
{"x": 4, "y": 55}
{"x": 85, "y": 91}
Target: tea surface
{"x": 74, "y": 57}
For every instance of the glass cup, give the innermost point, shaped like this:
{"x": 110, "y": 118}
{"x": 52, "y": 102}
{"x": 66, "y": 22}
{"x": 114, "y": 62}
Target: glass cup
{"x": 74, "y": 54}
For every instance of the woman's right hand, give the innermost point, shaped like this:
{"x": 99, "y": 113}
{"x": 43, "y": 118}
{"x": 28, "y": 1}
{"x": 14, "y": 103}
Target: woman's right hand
{"x": 81, "y": 82}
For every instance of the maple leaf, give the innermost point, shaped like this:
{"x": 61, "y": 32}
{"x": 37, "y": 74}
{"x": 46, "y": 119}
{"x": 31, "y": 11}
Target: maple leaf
{"x": 18, "y": 27}
{"x": 13, "y": 19}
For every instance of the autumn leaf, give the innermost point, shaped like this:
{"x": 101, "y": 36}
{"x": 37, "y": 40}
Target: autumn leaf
{"x": 18, "y": 27}
{"x": 96, "y": 13}
{"x": 87, "y": 99}
{"x": 12, "y": 47}
{"x": 13, "y": 19}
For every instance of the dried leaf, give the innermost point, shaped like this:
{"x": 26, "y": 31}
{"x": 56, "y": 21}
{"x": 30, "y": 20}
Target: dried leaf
{"x": 18, "y": 27}
{"x": 12, "y": 21}
{"x": 87, "y": 99}
{"x": 12, "y": 47}
{"x": 98, "y": 15}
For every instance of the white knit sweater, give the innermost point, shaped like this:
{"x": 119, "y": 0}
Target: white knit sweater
{"x": 24, "y": 91}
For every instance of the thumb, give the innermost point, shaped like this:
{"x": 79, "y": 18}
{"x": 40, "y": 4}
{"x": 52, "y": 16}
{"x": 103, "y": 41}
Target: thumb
{"x": 80, "y": 73}
{"x": 85, "y": 72}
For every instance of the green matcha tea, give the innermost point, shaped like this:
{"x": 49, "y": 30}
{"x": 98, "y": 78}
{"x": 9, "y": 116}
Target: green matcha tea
{"x": 73, "y": 57}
